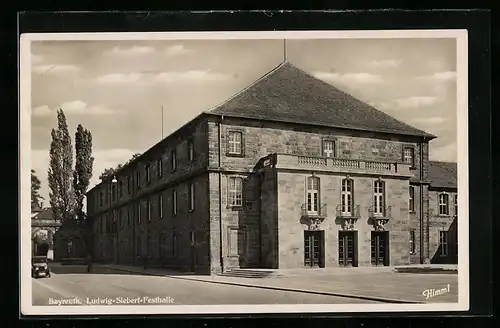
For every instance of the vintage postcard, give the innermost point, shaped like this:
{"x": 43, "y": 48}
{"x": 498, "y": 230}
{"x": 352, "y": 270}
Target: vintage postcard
{"x": 245, "y": 172}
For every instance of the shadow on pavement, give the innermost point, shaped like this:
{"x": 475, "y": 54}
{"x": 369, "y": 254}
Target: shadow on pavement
{"x": 58, "y": 268}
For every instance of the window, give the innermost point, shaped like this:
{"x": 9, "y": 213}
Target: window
{"x": 160, "y": 206}
{"x": 159, "y": 167}
{"x": 113, "y": 192}
{"x": 192, "y": 238}
{"x": 101, "y": 199}
{"x": 191, "y": 196}
{"x": 148, "y": 245}
{"x": 411, "y": 204}
{"x": 120, "y": 217}
{"x": 443, "y": 243}
{"x": 129, "y": 184}
{"x": 378, "y": 197}
{"x": 138, "y": 179}
{"x": 148, "y": 204}
{"x": 130, "y": 214}
{"x": 174, "y": 160}
{"x": 161, "y": 245}
{"x": 174, "y": 245}
{"x": 444, "y": 204}
{"x": 120, "y": 189}
{"x": 148, "y": 173}
{"x": 312, "y": 195}
{"x": 139, "y": 212}
{"x": 70, "y": 247}
{"x": 328, "y": 148}
{"x": 191, "y": 150}
{"x": 408, "y": 156}
{"x": 235, "y": 143}
{"x": 412, "y": 242}
{"x": 235, "y": 193}
{"x": 174, "y": 202}
{"x": 347, "y": 196}
{"x": 139, "y": 247}
{"x": 455, "y": 201}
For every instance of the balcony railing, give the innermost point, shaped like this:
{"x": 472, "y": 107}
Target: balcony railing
{"x": 348, "y": 212}
{"x": 348, "y": 165}
{"x": 321, "y": 212}
{"x": 382, "y": 213}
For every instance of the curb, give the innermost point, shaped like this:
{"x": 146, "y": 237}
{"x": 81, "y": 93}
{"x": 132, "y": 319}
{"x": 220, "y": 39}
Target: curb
{"x": 296, "y": 290}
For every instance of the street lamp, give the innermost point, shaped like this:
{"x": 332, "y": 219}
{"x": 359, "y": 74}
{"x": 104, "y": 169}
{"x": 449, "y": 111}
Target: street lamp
{"x": 114, "y": 179}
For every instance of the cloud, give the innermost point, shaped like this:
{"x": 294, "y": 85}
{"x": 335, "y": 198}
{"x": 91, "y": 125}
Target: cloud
{"x": 36, "y": 59}
{"x": 416, "y": 102}
{"x": 388, "y": 63}
{"x": 55, "y": 69}
{"x": 176, "y": 50}
{"x": 350, "y": 78}
{"x": 76, "y": 107}
{"x": 194, "y": 75}
{"x": 159, "y": 78}
{"x": 446, "y": 153}
{"x": 43, "y": 110}
{"x": 430, "y": 120}
{"x": 132, "y": 51}
{"x": 439, "y": 76}
{"x": 118, "y": 78}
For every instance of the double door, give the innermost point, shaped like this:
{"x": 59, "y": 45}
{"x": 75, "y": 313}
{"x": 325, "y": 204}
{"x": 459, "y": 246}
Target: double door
{"x": 314, "y": 248}
{"x": 380, "y": 248}
{"x": 347, "y": 248}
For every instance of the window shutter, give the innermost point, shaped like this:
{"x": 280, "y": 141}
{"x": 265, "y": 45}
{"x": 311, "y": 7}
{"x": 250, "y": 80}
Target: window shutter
{"x": 242, "y": 143}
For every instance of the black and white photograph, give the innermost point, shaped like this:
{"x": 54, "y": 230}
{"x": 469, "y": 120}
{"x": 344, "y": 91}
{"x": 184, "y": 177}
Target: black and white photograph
{"x": 244, "y": 172}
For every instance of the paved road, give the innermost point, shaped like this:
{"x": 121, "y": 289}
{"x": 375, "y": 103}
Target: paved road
{"x": 72, "y": 283}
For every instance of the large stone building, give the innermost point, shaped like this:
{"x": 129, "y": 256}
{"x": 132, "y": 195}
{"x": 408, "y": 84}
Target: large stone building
{"x": 291, "y": 172}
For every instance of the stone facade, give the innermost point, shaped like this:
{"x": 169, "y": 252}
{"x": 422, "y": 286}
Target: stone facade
{"x": 265, "y": 227}
{"x": 250, "y": 185}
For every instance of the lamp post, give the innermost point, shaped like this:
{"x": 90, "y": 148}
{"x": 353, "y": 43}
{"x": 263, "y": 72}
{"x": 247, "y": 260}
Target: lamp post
{"x": 114, "y": 229}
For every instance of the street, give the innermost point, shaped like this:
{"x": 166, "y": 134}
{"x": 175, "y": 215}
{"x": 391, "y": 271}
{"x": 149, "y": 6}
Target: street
{"x": 73, "y": 283}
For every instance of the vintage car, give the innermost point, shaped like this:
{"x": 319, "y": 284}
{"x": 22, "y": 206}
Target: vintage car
{"x": 39, "y": 267}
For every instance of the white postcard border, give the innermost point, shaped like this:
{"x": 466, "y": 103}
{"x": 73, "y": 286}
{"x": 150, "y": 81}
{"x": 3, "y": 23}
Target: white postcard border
{"x": 27, "y": 308}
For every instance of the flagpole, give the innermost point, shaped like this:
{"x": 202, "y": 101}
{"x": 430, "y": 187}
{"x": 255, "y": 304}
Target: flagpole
{"x": 284, "y": 50}
{"x": 161, "y": 122}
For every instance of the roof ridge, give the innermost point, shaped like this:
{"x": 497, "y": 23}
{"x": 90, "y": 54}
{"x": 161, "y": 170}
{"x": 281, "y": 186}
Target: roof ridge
{"x": 283, "y": 63}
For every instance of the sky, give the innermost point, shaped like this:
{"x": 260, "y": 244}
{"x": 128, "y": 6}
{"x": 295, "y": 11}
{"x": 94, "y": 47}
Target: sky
{"x": 117, "y": 89}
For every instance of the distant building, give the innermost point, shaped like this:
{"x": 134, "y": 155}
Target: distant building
{"x": 43, "y": 228}
{"x": 55, "y": 239}
{"x": 289, "y": 173}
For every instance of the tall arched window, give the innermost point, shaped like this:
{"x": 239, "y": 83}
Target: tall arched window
{"x": 378, "y": 197}
{"x": 312, "y": 195}
{"x": 347, "y": 196}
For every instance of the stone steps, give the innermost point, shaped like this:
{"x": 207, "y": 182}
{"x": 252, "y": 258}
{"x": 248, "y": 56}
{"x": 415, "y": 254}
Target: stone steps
{"x": 248, "y": 273}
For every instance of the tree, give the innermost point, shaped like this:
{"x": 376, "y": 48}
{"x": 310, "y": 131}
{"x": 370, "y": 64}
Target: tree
{"x": 60, "y": 171}
{"x": 36, "y": 199}
{"x": 108, "y": 173}
{"x": 83, "y": 167}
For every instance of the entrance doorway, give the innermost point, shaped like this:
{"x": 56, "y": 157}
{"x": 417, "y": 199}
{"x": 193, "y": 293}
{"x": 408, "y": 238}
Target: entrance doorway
{"x": 314, "y": 254}
{"x": 348, "y": 249}
{"x": 380, "y": 248}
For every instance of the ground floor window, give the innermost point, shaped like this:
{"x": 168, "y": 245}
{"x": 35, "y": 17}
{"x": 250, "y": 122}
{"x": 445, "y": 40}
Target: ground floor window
{"x": 443, "y": 243}
{"x": 412, "y": 242}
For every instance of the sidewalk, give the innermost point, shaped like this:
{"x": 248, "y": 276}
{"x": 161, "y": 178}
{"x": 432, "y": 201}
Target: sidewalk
{"x": 379, "y": 284}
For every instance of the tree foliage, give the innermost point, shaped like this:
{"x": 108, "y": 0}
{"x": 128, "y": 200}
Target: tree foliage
{"x": 83, "y": 167}
{"x": 36, "y": 199}
{"x": 60, "y": 171}
{"x": 110, "y": 172}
